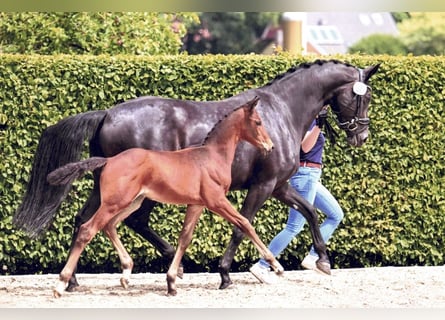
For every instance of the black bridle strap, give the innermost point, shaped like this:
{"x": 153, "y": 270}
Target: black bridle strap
{"x": 352, "y": 124}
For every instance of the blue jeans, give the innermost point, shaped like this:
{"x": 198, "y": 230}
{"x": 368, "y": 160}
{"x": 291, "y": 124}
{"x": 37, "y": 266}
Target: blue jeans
{"x": 306, "y": 181}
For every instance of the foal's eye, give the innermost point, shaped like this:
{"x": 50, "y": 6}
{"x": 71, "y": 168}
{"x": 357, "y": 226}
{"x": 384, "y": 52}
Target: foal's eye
{"x": 258, "y": 122}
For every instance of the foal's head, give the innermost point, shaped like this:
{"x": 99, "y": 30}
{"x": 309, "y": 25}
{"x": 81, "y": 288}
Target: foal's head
{"x": 253, "y": 130}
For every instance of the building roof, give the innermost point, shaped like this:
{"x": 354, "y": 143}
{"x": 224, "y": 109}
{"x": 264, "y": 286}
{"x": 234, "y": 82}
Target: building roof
{"x": 335, "y": 32}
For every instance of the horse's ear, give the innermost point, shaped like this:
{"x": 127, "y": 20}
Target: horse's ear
{"x": 253, "y": 103}
{"x": 370, "y": 71}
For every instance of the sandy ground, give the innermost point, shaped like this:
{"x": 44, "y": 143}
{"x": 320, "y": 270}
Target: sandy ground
{"x": 386, "y": 287}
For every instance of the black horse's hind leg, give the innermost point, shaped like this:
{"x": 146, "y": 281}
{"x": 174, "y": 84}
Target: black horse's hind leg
{"x": 292, "y": 198}
{"x": 255, "y": 198}
{"x": 83, "y": 216}
{"x": 139, "y": 222}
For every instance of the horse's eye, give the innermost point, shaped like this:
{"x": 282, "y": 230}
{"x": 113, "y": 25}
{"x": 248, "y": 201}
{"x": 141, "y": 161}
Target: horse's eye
{"x": 258, "y": 122}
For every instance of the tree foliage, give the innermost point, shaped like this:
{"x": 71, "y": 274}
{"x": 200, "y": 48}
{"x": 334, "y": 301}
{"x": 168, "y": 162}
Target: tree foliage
{"x": 140, "y": 33}
{"x": 400, "y": 16}
{"x": 420, "y": 33}
{"x": 424, "y": 33}
{"x": 228, "y": 32}
{"x": 379, "y": 44}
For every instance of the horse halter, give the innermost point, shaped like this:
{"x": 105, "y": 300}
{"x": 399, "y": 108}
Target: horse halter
{"x": 359, "y": 89}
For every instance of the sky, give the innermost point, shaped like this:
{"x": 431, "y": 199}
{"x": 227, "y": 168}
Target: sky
{"x": 226, "y": 5}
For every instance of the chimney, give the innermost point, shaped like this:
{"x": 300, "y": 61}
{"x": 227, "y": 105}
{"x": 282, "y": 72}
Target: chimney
{"x": 294, "y": 25}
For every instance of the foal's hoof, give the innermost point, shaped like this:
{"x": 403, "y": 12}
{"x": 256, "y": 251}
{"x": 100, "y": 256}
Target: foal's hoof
{"x": 278, "y": 268}
{"x": 279, "y": 271}
{"x": 323, "y": 267}
{"x": 56, "y": 294}
{"x": 124, "y": 283}
{"x": 180, "y": 272}
{"x": 59, "y": 289}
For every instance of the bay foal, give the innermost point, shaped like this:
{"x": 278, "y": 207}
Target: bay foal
{"x": 197, "y": 176}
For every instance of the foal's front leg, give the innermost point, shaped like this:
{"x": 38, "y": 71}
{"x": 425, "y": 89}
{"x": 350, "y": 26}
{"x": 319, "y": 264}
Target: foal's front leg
{"x": 191, "y": 218}
{"x": 228, "y": 212}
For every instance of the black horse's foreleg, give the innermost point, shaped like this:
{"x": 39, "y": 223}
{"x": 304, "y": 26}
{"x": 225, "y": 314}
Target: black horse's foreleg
{"x": 256, "y": 196}
{"x": 292, "y": 198}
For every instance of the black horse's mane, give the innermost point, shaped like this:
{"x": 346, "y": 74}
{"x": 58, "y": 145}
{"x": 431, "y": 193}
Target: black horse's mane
{"x": 306, "y": 65}
{"x": 219, "y": 121}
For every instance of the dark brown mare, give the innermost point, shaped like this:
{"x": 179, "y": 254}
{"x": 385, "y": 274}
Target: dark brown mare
{"x": 288, "y": 105}
{"x": 197, "y": 176}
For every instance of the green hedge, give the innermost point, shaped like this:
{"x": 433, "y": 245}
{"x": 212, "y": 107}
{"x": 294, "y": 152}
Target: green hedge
{"x": 391, "y": 189}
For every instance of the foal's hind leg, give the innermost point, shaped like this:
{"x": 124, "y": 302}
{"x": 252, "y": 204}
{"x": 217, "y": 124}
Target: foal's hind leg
{"x": 111, "y": 232}
{"x": 191, "y": 218}
{"x": 85, "y": 233}
{"x": 125, "y": 259}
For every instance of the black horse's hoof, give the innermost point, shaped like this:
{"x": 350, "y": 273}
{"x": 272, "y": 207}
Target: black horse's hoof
{"x": 172, "y": 292}
{"x": 72, "y": 287}
{"x": 225, "y": 284}
{"x": 323, "y": 267}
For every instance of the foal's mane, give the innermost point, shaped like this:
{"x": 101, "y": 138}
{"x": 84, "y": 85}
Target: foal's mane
{"x": 217, "y": 124}
{"x": 306, "y": 65}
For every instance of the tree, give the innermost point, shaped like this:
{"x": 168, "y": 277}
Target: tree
{"x": 424, "y": 33}
{"x": 140, "y": 33}
{"x": 228, "y": 32}
{"x": 400, "y": 16}
{"x": 379, "y": 44}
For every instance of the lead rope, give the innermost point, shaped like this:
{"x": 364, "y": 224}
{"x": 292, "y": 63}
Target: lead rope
{"x": 328, "y": 129}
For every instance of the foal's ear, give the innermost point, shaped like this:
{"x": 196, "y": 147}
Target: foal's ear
{"x": 370, "y": 71}
{"x": 252, "y": 103}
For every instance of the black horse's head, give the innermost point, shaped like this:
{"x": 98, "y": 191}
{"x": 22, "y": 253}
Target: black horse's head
{"x": 350, "y": 103}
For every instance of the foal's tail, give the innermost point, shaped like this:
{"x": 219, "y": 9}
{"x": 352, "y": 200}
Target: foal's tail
{"x": 74, "y": 170}
{"x": 59, "y": 144}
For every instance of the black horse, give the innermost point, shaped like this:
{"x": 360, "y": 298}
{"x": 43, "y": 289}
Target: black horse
{"x": 289, "y": 103}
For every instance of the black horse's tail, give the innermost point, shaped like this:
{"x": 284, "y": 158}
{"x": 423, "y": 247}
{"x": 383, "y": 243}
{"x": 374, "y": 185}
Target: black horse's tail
{"x": 71, "y": 171}
{"x": 59, "y": 144}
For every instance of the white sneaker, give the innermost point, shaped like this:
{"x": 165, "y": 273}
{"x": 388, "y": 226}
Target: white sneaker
{"x": 309, "y": 262}
{"x": 263, "y": 274}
